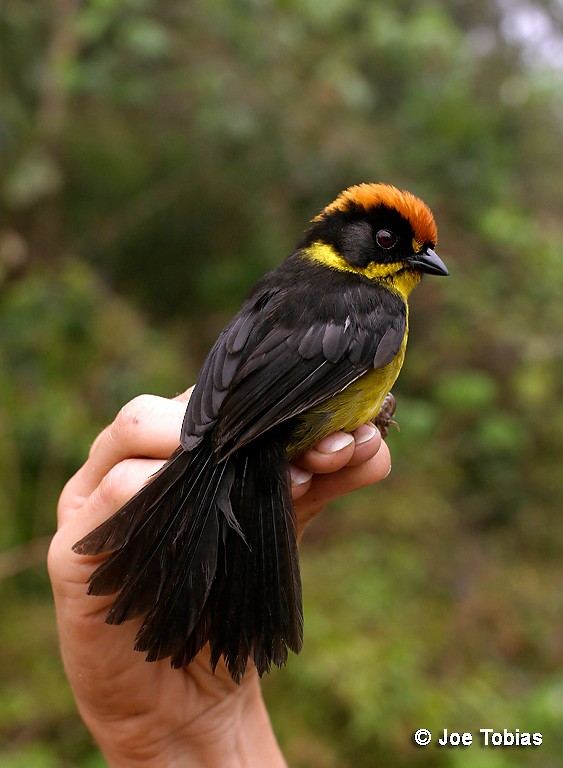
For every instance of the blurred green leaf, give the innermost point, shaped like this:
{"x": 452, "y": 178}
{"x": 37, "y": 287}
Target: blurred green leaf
{"x": 36, "y": 176}
{"x": 468, "y": 390}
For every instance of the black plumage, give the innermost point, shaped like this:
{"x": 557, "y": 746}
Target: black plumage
{"x": 206, "y": 551}
{"x": 193, "y": 551}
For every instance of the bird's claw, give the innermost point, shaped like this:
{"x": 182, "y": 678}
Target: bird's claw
{"x": 384, "y": 419}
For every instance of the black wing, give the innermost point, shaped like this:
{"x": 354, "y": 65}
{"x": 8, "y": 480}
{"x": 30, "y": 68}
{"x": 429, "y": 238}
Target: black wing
{"x": 287, "y": 350}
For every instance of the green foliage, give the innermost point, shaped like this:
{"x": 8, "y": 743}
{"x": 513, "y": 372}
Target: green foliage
{"x": 72, "y": 354}
{"x": 158, "y": 158}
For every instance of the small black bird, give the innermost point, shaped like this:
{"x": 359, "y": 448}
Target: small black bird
{"x": 206, "y": 551}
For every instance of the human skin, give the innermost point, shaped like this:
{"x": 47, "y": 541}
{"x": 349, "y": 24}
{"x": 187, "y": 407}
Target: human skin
{"x": 151, "y": 715}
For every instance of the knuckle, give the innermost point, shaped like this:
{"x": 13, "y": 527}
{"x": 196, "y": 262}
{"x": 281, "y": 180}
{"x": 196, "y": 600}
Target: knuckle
{"x": 128, "y": 424}
{"x": 133, "y": 412}
{"x": 120, "y": 482}
{"x": 184, "y": 397}
{"x": 54, "y": 558}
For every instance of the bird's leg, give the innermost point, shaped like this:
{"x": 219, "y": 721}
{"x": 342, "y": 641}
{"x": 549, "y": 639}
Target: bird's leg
{"x": 384, "y": 418}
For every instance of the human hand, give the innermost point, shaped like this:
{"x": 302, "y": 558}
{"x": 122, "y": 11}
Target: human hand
{"x": 151, "y": 714}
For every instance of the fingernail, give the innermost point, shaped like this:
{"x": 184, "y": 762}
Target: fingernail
{"x": 335, "y": 442}
{"x": 299, "y": 476}
{"x": 364, "y": 433}
{"x": 388, "y": 471}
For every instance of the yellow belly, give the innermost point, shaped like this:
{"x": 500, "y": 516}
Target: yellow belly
{"x": 346, "y": 410}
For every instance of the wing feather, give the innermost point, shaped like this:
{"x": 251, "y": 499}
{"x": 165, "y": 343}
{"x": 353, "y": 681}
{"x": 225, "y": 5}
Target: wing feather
{"x": 279, "y": 357}
{"x": 335, "y": 342}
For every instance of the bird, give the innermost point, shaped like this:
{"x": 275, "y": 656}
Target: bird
{"x": 206, "y": 551}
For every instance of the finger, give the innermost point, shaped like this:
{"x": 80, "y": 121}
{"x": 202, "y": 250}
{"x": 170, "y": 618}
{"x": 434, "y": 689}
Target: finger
{"x": 336, "y": 451}
{"x": 147, "y": 426}
{"x": 300, "y": 481}
{"x": 70, "y": 571}
{"x": 183, "y": 397}
{"x": 119, "y": 485}
{"x": 328, "y": 487}
{"x": 332, "y": 453}
{"x": 368, "y": 441}
{"x": 341, "y": 449}
{"x": 325, "y": 488}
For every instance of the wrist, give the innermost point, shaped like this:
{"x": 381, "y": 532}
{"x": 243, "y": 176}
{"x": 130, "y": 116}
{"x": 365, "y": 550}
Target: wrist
{"x": 233, "y": 733}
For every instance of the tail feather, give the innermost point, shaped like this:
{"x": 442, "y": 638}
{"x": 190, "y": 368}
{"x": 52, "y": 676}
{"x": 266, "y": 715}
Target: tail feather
{"x": 207, "y": 552}
{"x": 114, "y": 533}
{"x": 177, "y": 623}
{"x": 258, "y": 604}
{"x": 141, "y": 536}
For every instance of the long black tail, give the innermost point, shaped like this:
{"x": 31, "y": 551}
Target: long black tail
{"x": 207, "y": 552}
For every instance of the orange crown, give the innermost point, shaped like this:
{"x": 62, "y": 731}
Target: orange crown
{"x": 373, "y": 195}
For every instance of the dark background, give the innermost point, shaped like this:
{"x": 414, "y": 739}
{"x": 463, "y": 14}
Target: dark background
{"x": 158, "y": 157}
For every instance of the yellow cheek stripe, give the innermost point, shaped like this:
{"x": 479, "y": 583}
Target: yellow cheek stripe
{"x": 395, "y": 276}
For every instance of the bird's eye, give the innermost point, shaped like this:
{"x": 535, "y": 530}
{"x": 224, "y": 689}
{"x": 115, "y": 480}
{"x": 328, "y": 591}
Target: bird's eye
{"x": 386, "y": 239}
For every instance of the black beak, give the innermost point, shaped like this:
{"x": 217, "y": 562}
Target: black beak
{"x": 428, "y": 261}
